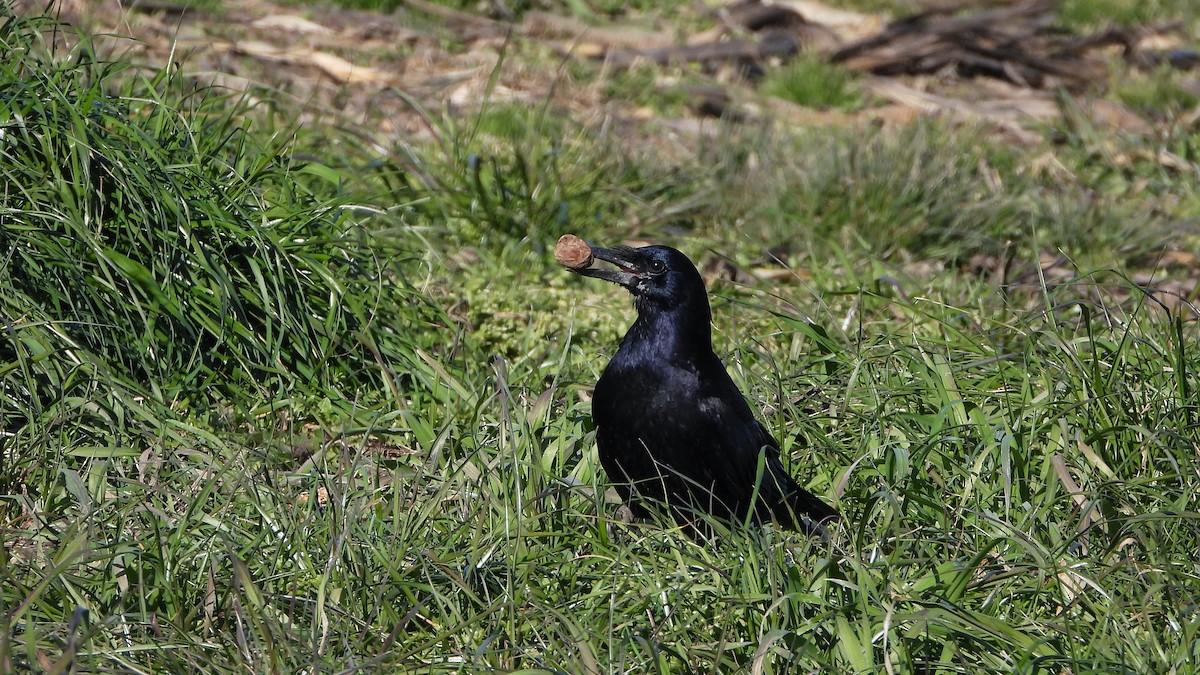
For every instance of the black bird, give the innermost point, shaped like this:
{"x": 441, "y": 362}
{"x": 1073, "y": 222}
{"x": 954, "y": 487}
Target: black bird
{"x": 671, "y": 426}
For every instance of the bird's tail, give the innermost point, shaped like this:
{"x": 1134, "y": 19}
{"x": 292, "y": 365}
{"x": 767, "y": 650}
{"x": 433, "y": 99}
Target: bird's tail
{"x": 808, "y": 511}
{"x": 793, "y": 506}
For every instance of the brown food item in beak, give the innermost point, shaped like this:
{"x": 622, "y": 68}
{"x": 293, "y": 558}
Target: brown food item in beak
{"x": 573, "y": 253}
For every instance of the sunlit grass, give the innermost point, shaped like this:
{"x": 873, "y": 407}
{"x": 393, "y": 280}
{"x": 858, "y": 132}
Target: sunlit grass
{"x": 1093, "y": 13}
{"x": 261, "y": 415}
{"x": 810, "y": 80}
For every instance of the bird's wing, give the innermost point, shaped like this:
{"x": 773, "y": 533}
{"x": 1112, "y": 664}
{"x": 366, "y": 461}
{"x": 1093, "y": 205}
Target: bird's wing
{"x": 737, "y": 445}
{"x": 743, "y": 443}
{"x": 797, "y": 500}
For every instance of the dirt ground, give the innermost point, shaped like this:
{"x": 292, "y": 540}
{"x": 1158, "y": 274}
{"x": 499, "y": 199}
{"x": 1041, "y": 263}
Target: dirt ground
{"x": 366, "y": 68}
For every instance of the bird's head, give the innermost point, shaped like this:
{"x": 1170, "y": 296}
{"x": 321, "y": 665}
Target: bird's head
{"x": 659, "y": 277}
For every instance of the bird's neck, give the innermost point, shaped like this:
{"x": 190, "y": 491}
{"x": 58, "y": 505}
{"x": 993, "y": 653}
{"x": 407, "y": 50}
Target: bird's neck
{"x": 682, "y": 332}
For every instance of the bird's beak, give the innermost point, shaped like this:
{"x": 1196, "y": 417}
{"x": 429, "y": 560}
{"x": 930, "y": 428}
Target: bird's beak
{"x": 625, "y": 258}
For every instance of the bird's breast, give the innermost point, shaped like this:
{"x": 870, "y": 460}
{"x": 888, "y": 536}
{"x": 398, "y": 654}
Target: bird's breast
{"x": 648, "y": 395}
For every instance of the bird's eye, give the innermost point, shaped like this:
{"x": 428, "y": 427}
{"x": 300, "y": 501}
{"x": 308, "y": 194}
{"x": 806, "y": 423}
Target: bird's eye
{"x": 657, "y": 267}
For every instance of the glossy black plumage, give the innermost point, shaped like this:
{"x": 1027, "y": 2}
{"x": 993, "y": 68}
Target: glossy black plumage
{"x": 671, "y": 425}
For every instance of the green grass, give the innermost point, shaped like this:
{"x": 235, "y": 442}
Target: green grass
{"x": 1158, "y": 94}
{"x": 264, "y": 414}
{"x": 1096, "y": 13}
{"x": 642, "y": 85}
{"x": 811, "y": 81}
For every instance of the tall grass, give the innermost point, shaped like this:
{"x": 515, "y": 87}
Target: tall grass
{"x": 164, "y": 258}
{"x": 174, "y": 281}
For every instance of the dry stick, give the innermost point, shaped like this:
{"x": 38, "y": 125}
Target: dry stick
{"x": 922, "y": 25}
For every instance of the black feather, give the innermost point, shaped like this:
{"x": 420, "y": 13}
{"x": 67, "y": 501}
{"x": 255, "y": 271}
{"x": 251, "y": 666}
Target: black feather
{"x": 672, "y": 428}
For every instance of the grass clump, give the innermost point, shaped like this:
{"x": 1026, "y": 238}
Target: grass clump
{"x": 1090, "y": 14}
{"x": 175, "y": 283}
{"x": 918, "y": 192}
{"x": 812, "y": 81}
{"x": 931, "y": 191}
{"x": 1157, "y": 94}
{"x": 188, "y": 255}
